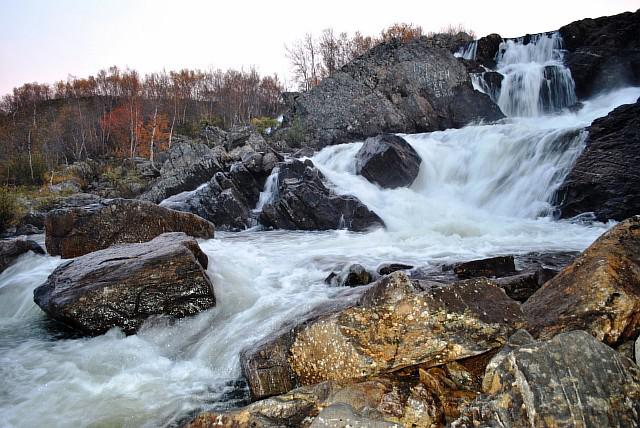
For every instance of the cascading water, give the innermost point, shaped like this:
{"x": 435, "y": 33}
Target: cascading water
{"x": 535, "y": 78}
{"x": 467, "y": 51}
{"x": 481, "y": 190}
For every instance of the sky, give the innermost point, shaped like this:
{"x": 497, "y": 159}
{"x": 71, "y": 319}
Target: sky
{"x": 48, "y": 40}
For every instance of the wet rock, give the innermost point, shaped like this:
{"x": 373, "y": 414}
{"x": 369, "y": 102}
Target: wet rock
{"x": 488, "y": 49}
{"x": 493, "y": 267}
{"x": 355, "y": 275}
{"x": 71, "y": 232}
{"x": 387, "y": 268}
{"x": 605, "y": 179}
{"x": 388, "y": 161}
{"x": 124, "y": 285}
{"x": 603, "y": 53}
{"x": 599, "y": 292}
{"x": 303, "y": 202}
{"x": 394, "y": 87}
{"x": 189, "y": 164}
{"x": 413, "y": 322}
{"x": 522, "y": 286}
{"x": 11, "y": 249}
{"x": 570, "y": 380}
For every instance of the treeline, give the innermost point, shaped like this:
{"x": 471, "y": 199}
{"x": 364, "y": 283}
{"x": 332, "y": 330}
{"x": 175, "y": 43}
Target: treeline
{"x": 120, "y": 113}
{"x": 314, "y": 58}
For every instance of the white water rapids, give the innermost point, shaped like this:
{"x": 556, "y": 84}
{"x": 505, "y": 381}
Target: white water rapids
{"x": 482, "y": 190}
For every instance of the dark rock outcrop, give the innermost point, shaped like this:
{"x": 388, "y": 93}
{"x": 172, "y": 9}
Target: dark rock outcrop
{"x": 599, "y": 292}
{"x": 351, "y": 276}
{"x": 571, "y": 380}
{"x": 303, "y": 202}
{"x": 189, "y": 164}
{"x": 603, "y": 53}
{"x": 487, "y": 50}
{"x": 72, "y": 232}
{"x": 11, "y": 249}
{"x": 493, "y": 267}
{"x": 388, "y": 161}
{"x": 394, "y": 87}
{"x": 124, "y": 285}
{"x": 388, "y": 268}
{"x": 412, "y": 322}
{"x": 605, "y": 179}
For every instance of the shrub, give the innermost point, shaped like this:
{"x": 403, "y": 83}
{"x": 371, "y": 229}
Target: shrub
{"x": 9, "y": 209}
{"x": 17, "y": 170}
{"x": 265, "y": 125}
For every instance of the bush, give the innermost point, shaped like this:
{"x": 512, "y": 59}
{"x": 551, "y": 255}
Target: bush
{"x": 265, "y": 125}
{"x": 9, "y": 209}
{"x": 17, "y": 171}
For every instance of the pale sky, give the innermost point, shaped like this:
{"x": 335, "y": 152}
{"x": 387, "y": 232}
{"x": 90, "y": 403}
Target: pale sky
{"x": 46, "y": 40}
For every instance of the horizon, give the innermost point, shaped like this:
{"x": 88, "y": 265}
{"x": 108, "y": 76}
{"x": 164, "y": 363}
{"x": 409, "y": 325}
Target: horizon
{"x": 76, "y": 38}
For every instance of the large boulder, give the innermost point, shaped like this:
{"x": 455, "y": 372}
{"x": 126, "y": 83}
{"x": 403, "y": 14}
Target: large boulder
{"x": 396, "y": 323}
{"x": 303, "y": 202}
{"x": 188, "y": 165}
{"x": 570, "y": 381}
{"x": 493, "y": 267}
{"x": 388, "y": 161}
{"x": 72, "y": 232}
{"x": 599, "y": 292}
{"x": 124, "y": 285}
{"x": 603, "y": 53}
{"x": 605, "y": 178}
{"x": 394, "y": 87}
{"x": 11, "y": 249}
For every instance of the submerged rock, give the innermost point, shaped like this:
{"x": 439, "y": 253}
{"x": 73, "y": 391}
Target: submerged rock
{"x": 493, "y": 267}
{"x": 413, "y": 322}
{"x": 124, "y": 285}
{"x": 72, "y": 232}
{"x": 303, "y": 202}
{"x": 394, "y": 87}
{"x": 605, "y": 178}
{"x": 11, "y": 249}
{"x": 571, "y": 380}
{"x": 351, "y": 276}
{"x": 388, "y": 161}
{"x": 599, "y": 292}
{"x": 388, "y": 268}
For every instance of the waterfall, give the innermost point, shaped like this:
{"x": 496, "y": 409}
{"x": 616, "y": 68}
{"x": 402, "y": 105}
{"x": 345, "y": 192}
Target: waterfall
{"x": 535, "y": 78}
{"x": 270, "y": 191}
{"x": 467, "y": 51}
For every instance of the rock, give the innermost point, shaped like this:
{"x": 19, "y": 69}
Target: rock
{"x": 488, "y": 49}
{"x": 387, "y": 268}
{"x": 124, "y": 285}
{"x": 410, "y": 325}
{"x": 394, "y": 87}
{"x": 343, "y": 416}
{"x": 522, "y": 286}
{"x": 603, "y": 53}
{"x": 571, "y": 380}
{"x": 69, "y": 186}
{"x": 388, "y": 161}
{"x": 604, "y": 179}
{"x": 72, "y": 232}
{"x": 599, "y": 292}
{"x": 356, "y": 275}
{"x": 493, "y": 267}
{"x": 189, "y": 164}
{"x": 11, "y": 249}
{"x": 303, "y": 202}
{"x": 637, "y": 351}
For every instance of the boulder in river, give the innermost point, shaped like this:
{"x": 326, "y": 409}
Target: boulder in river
{"x": 599, "y": 292}
{"x": 493, "y": 267}
{"x": 394, "y": 87}
{"x": 388, "y": 161}
{"x": 303, "y": 202}
{"x": 125, "y": 284}
{"x": 413, "y": 322}
{"x": 605, "y": 178}
{"x": 571, "y": 380}
{"x": 11, "y": 249}
{"x": 72, "y": 232}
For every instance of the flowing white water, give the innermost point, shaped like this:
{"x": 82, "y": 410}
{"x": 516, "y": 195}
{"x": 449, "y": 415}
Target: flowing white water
{"x": 467, "y": 51}
{"x": 181, "y": 197}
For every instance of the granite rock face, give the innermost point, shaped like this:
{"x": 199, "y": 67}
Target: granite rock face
{"x": 605, "y": 179}
{"x": 413, "y": 322}
{"x": 124, "y": 285}
{"x": 395, "y": 87}
{"x": 72, "y": 232}
{"x": 599, "y": 292}
{"x": 571, "y": 380}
